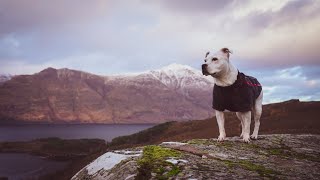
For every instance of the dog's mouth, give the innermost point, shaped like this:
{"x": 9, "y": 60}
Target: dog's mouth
{"x": 206, "y": 73}
{"x": 214, "y": 74}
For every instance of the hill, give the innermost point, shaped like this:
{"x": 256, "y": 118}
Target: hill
{"x": 292, "y": 117}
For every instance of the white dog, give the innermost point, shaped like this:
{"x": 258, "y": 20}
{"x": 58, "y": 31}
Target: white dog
{"x": 233, "y": 91}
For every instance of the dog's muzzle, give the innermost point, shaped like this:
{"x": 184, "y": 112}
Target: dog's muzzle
{"x": 204, "y": 70}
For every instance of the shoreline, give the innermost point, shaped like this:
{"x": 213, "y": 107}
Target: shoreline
{"x": 76, "y": 153}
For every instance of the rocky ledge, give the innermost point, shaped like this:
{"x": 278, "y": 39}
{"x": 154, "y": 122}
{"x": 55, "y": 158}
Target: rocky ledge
{"x": 270, "y": 157}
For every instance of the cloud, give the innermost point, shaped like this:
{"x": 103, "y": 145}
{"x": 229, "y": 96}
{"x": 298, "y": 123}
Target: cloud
{"x": 276, "y": 41}
{"x": 20, "y": 16}
{"x": 290, "y": 83}
{"x": 194, "y": 6}
{"x": 260, "y": 36}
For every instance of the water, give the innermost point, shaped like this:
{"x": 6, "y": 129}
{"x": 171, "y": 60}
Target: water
{"x": 25, "y": 166}
{"x": 67, "y": 131}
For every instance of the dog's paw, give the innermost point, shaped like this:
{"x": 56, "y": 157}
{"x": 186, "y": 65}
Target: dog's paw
{"x": 246, "y": 139}
{"x": 221, "y": 138}
{"x": 254, "y": 137}
{"x": 241, "y": 135}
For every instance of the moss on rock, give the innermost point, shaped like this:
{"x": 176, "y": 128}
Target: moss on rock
{"x": 153, "y": 161}
{"x": 261, "y": 170}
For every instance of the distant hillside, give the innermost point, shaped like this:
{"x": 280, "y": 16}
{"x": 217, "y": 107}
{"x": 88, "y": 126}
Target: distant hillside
{"x": 175, "y": 92}
{"x": 292, "y": 117}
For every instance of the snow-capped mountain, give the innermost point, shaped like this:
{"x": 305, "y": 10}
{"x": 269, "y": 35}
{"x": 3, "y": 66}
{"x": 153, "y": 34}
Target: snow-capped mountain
{"x": 174, "y": 92}
{"x": 181, "y": 76}
{"x": 177, "y": 77}
{"x": 5, "y": 77}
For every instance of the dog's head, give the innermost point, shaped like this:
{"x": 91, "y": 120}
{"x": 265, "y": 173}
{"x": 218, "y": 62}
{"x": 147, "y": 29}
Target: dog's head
{"x": 217, "y": 63}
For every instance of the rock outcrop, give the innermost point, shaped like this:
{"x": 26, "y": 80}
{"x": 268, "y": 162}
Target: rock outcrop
{"x": 270, "y": 157}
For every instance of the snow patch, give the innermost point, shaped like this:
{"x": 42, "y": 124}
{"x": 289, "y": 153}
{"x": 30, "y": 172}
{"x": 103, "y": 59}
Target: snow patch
{"x": 127, "y": 152}
{"x": 176, "y": 161}
{"x": 5, "y": 77}
{"x": 131, "y": 176}
{"x": 173, "y": 143}
{"x": 107, "y": 161}
{"x": 219, "y": 155}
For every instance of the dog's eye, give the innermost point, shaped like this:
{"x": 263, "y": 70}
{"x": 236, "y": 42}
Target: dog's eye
{"x": 214, "y": 59}
{"x": 205, "y": 60}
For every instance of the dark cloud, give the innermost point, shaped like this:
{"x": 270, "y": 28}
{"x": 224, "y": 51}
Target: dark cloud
{"x": 196, "y": 6}
{"x": 20, "y": 16}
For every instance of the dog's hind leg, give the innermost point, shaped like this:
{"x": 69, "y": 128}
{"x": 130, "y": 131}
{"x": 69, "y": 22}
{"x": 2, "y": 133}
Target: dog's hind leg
{"x": 242, "y": 125}
{"x": 257, "y": 111}
{"x": 220, "y": 121}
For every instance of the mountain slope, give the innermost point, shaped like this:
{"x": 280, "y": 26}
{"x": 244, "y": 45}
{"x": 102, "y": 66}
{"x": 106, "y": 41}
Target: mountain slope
{"x": 175, "y": 92}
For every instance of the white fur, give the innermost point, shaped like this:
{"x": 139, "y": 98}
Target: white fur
{"x": 225, "y": 74}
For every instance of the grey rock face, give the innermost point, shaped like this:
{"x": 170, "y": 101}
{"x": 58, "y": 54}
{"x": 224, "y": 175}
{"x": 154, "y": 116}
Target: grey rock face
{"x": 270, "y": 157}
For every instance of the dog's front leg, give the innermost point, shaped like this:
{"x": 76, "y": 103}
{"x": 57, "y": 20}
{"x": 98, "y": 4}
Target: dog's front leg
{"x": 246, "y": 118}
{"x": 242, "y": 125}
{"x": 220, "y": 121}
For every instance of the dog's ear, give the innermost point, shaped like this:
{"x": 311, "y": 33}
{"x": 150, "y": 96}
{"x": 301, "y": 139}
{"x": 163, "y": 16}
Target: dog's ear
{"x": 226, "y": 51}
{"x": 207, "y": 54}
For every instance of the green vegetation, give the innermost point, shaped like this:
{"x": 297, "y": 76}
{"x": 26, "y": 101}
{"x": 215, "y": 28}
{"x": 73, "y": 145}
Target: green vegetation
{"x": 154, "y": 161}
{"x": 144, "y": 137}
{"x": 251, "y": 145}
{"x": 207, "y": 142}
{"x": 174, "y": 171}
{"x": 285, "y": 151}
{"x": 261, "y": 170}
{"x": 199, "y": 141}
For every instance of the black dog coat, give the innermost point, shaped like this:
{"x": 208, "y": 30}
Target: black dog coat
{"x": 238, "y": 97}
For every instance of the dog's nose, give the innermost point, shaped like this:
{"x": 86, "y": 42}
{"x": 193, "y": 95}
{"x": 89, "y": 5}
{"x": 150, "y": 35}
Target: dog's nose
{"x": 204, "y": 69}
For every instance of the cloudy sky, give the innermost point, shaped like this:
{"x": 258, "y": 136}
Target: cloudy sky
{"x": 275, "y": 40}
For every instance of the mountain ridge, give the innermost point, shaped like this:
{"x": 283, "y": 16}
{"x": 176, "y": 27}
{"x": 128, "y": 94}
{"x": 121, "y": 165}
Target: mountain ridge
{"x": 175, "y": 92}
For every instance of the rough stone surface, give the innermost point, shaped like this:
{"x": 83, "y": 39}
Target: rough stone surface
{"x": 270, "y": 157}
{"x": 125, "y": 169}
